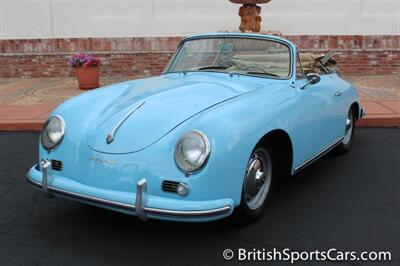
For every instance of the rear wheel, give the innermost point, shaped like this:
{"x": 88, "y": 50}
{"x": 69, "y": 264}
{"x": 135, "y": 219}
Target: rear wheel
{"x": 345, "y": 145}
{"x": 257, "y": 186}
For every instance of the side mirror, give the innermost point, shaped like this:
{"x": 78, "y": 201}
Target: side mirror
{"x": 312, "y": 79}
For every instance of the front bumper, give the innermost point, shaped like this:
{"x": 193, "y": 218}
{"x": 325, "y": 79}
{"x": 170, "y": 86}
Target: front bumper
{"x": 138, "y": 203}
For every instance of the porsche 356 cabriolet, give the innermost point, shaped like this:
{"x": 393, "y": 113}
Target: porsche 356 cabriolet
{"x": 207, "y": 138}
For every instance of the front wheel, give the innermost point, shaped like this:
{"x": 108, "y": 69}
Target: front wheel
{"x": 345, "y": 145}
{"x": 257, "y": 186}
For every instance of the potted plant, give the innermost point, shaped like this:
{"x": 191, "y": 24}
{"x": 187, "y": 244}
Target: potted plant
{"x": 87, "y": 70}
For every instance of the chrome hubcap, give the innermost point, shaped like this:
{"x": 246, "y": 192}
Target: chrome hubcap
{"x": 349, "y": 128}
{"x": 258, "y": 179}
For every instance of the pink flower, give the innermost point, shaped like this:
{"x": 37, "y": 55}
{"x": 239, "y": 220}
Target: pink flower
{"x": 84, "y": 60}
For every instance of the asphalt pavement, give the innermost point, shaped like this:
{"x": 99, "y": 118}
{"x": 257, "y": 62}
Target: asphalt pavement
{"x": 350, "y": 203}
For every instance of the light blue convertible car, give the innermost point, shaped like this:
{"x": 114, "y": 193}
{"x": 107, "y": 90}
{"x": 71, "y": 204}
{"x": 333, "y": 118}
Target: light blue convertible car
{"x": 206, "y": 139}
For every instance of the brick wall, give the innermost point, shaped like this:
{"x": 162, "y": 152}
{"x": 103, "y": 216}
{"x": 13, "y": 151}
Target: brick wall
{"x": 119, "y": 56}
{"x": 356, "y": 55}
{"x": 148, "y": 55}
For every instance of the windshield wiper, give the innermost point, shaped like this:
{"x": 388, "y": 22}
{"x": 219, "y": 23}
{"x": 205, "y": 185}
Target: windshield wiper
{"x": 212, "y": 67}
{"x": 261, "y": 73}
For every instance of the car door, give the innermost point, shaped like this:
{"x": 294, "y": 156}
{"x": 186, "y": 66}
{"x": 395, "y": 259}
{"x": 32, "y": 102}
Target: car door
{"x": 320, "y": 116}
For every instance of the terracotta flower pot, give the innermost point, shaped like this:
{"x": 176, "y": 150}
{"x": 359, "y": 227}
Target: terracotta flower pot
{"x": 88, "y": 77}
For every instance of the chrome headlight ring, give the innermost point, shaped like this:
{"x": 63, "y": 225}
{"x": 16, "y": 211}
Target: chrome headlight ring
{"x": 192, "y": 151}
{"x": 53, "y": 133}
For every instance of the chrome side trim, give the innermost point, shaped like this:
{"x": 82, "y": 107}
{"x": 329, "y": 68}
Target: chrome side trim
{"x": 131, "y": 207}
{"x": 111, "y": 135}
{"x": 324, "y": 151}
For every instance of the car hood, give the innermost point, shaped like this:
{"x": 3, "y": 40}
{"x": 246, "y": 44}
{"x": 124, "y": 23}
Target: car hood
{"x": 148, "y": 109}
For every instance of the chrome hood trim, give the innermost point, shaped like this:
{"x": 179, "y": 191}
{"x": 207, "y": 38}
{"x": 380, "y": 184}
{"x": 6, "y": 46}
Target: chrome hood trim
{"x": 111, "y": 135}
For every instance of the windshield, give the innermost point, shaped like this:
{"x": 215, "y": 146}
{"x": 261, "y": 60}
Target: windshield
{"x": 234, "y": 55}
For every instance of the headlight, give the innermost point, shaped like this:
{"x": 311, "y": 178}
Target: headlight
{"x": 53, "y": 132}
{"x": 192, "y": 151}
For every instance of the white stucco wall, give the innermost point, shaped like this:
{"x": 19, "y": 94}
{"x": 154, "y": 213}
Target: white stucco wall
{"x": 121, "y": 18}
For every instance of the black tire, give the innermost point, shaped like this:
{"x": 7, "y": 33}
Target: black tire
{"x": 246, "y": 212}
{"x": 345, "y": 145}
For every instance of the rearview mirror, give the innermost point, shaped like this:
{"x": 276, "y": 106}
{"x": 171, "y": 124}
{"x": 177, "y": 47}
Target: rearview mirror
{"x": 312, "y": 79}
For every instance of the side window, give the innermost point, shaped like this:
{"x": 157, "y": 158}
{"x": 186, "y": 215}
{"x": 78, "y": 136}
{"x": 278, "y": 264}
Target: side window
{"x": 299, "y": 68}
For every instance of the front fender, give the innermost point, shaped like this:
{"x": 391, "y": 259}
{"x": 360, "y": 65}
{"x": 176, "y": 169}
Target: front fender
{"x": 234, "y": 129}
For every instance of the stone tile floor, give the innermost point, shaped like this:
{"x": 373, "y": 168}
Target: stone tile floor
{"x": 380, "y": 97}
{"x": 25, "y": 103}
{"x": 42, "y": 91}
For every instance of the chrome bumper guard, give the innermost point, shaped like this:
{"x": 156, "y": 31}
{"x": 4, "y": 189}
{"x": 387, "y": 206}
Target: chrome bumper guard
{"x": 45, "y": 165}
{"x": 141, "y": 193}
{"x": 141, "y": 197}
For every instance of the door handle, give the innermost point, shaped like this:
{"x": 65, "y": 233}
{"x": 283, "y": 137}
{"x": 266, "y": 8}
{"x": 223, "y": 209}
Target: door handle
{"x": 338, "y": 93}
